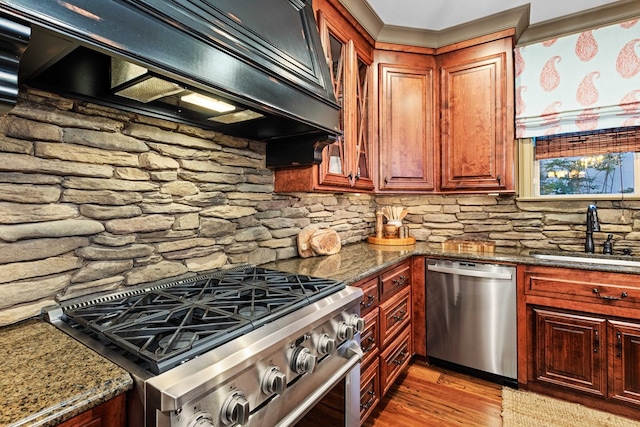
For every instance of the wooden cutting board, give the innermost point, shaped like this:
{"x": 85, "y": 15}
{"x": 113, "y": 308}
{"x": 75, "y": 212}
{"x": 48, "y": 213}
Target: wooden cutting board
{"x": 464, "y": 245}
{"x": 313, "y": 241}
{"x": 325, "y": 242}
{"x": 304, "y": 249}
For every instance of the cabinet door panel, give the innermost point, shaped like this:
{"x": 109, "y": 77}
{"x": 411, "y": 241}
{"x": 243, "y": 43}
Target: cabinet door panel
{"x": 569, "y": 351}
{"x": 624, "y": 368}
{"x": 476, "y": 129}
{"x": 369, "y": 389}
{"x": 406, "y": 128}
{"x": 108, "y": 414}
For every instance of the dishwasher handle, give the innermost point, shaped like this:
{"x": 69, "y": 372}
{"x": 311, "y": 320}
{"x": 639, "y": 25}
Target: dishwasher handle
{"x": 502, "y": 275}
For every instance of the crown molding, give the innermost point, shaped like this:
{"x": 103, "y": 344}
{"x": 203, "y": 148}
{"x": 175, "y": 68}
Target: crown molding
{"x": 517, "y": 18}
{"x": 601, "y": 16}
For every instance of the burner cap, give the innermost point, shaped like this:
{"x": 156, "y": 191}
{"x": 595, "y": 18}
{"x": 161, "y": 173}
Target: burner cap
{"x": 182, "y": 340}
{"x": 253, "y": 311}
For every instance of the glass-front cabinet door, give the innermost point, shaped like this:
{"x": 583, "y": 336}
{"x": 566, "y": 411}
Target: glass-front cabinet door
{"x": 346, "y": 162}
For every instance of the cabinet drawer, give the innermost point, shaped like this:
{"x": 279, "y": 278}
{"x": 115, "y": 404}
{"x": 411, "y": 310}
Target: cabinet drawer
{"x": 394, "y": 280}
{"x": 582, "y": 285}
{"x": 369, "y": 337}
{"x": 369, "y": 389}
{"x": 394, "y": 359}
{"x": 371, "y": 297}
{"x": 395, "y": 315}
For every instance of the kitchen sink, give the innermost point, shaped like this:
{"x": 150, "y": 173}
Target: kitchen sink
{"x": 623, "y": 261}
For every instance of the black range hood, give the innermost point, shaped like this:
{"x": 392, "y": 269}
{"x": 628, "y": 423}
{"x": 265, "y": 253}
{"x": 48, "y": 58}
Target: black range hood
{"x": 262, "y": 58}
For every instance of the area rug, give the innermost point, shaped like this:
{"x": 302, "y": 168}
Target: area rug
{"x": 526, "y": 409}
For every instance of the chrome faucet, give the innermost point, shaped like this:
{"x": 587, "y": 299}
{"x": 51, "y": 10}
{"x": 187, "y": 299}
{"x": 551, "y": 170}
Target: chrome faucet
{"x": 592, "y": 225}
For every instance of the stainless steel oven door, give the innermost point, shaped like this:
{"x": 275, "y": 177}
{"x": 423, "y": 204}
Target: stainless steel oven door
{"x": 343, "y": 386}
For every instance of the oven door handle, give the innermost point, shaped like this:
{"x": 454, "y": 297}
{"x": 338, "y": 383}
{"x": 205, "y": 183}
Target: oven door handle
{"x": 472, "y": 273}
{"x": 354, "y": 354}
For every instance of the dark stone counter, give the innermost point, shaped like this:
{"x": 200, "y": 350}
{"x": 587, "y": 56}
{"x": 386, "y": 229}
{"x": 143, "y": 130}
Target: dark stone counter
{"x": 360, "y": 260}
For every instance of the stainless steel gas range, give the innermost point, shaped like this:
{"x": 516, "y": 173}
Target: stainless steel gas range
{"x": 241, "y": 347}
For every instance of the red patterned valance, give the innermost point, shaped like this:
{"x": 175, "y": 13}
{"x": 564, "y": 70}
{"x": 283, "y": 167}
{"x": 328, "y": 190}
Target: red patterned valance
{"x": 580, "y": 82}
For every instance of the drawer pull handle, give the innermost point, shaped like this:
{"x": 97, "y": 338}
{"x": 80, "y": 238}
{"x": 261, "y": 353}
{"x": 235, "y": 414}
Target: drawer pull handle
{"x": 610, "y": 297}
{"x": 619, "y": 338}
{"x": 372, "y": 344}
{"x": 370, "y": 401}
{"x": 399, "y": 316}
{"x": 402, "y": 357}
{"x": 400, "y": 281}
{"x": 369, "y": 302}
{"x": 596, "y": 341}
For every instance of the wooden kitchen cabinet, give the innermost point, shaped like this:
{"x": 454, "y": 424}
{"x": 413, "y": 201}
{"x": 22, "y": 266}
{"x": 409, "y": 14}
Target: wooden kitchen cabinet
{"x": 346, "y": 164}
{"x": 111, "y": 413}
{"x": 369, "y": 390}
{"x": 394, "y": 359}
{"x": 624, "y": 369}
{"x": 445, "y": 117}
{"x": 386, "y": 340}
{"x": 407, "y": 156}
{"x": 395, "y": 315}
{"x": 477, "y": 128}
{"x": 579, "y": 336}
{"x": 570, "y": 351}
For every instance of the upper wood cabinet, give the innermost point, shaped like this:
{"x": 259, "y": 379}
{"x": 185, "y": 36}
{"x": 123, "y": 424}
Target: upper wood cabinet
{"x": 476, "y": 129}
{"x": 346, "y": 164}
{"x": 445, "y": 117}
{"x": 406, "y": 121}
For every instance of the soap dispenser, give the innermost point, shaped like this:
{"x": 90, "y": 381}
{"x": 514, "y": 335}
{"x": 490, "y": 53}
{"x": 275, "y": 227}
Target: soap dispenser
{"x": 607, "y": 247}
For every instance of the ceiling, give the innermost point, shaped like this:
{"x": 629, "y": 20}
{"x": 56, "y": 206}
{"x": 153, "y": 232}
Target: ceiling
{"x": 441, "y": 14}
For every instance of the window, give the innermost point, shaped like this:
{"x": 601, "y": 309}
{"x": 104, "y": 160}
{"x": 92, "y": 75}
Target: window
{"x": 595, "y": 165}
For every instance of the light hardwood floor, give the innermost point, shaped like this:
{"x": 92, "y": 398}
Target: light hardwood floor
{"x": 430, "y": 396}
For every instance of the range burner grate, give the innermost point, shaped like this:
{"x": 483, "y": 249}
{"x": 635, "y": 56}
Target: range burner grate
{"x": 167, "y": 324}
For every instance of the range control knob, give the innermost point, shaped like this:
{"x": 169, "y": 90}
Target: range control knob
{"x": 274, "y": 381}
{"x": 357, "y": 322}
{"x": 201, "y": 419}
{"x": 345, "y": 331}
{"x": 303, "y": 361}
{"x": 326, "y": 344}
{"x": 235, "y": 409}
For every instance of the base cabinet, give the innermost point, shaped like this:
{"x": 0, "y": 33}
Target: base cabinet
{"x": 570, "y": 351}
{"x": 386, "y": 339}
{"x": 582, "y": 336}
{"x": 624, "y": 371}
{"x": 111, "y": 413}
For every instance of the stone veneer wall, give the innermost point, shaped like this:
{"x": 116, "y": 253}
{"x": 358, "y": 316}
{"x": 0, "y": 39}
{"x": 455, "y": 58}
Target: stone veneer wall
{"x": 526, "y": 225}
{"x": 93, "y": 199}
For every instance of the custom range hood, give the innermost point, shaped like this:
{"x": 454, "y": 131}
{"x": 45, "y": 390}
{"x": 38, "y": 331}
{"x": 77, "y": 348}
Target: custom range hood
{"x": 258, "y": 65}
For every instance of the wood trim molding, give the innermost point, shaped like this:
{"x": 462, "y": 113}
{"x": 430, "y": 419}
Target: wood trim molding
{"x": 592, "y": 18}
{"x": 517, "y": 18}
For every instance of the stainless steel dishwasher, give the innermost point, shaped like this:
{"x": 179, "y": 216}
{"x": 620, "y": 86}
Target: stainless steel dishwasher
{"x": 471, "y": 316}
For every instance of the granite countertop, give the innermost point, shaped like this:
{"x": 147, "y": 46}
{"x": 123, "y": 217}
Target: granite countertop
{"x": 360, "y": 260}
{"x": 48, "y": 377}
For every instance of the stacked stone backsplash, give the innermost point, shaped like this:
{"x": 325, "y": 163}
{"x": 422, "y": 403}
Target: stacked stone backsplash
{"x": 93, "y": 199}
{"x": 532, "y": 225}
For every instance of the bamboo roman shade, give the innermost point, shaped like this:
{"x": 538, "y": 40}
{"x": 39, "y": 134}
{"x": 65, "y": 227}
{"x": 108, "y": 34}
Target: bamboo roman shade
{"x": 581, "y": 82}
{"x": 579, "y": 144}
